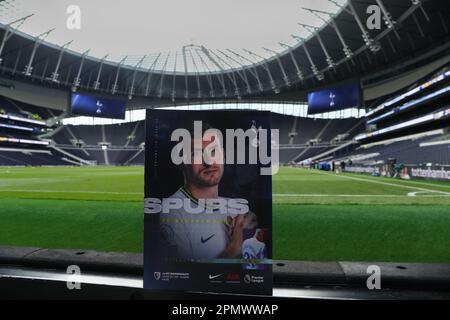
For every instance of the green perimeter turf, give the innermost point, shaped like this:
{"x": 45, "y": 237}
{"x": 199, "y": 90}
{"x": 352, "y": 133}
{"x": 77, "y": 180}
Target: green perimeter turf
{"x": 317, "y": 216}
{"x": 76, "y": 224}
{"x": 388, "y": 233}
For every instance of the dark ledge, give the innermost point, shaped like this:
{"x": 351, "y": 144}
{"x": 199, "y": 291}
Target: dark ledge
{"x": 286, "y": 273}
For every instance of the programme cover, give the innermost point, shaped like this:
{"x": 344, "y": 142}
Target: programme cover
{"x": 208, "y": 201}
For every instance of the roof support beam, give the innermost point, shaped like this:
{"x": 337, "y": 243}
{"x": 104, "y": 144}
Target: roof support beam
{"x": 77, "y": 81}
{"x": 241, "y": 73}
{"x": 174, "y": 92}
{"x": 369, "y": 61}
{"x": 44, "y": 71}
{"x": 315, "y": 31}
{"x": 337, "y": 4}
{"x": 150, "y": 74}
{"x": 391, "y": 43}
{"x": 237, "y": 91}
{"x": 163, "y": 73}
{"x": 199, "y": 87}
{"x": 208, "y": 76}
{"x": 206, "y": 52}
{"x": 419, "y": 3}
{"x": 55, "y": 74}
{"x": 37, "y": 42}
{"x": 197, "y": 77}
{"x": 444, "y": 25}
{"x": 390, "y": 22}
{"x": 411, "y": 42}
{"x": 252, "y": 66}
{"x": 99, "y": 73}
{"x": 283, "y": 71}
{"x": 294, "y": 61}
{"x": 19, "y": 55}
{"x": 9, "y": 32}
{"x": 211, "y": 87}
{"x": 314, "y": 69}
{"x": 186, "y": 84}
{"x": 266, "y": 67}
{"x": 347, "y": 51}
{"x": 132, "y": 88}
{"x": 419, "y": 27}
{"x": 345, "y": 48}
{"x": 116, "y": 81}
{"x": 372, "y": 44}
{"x": 218, "y": 75}
{"x": 232, "y": 77}
{"x": 68, "y": 73}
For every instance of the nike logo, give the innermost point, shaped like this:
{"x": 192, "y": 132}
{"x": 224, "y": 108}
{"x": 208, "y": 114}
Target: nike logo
{"x": 214, "y": 277}
{"x": 207, "y": 239}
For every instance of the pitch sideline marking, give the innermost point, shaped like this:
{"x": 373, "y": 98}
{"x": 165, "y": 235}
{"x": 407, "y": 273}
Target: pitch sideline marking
{"x": 75, "y": 191}
{"x": 426, "y": 184}
{"x": 385, "y": 183}
{"x": 423, "y": 194}
{"x": 287, "y": 195}
{"x": 275, "y": 195}
{"x": 437, "y": 185}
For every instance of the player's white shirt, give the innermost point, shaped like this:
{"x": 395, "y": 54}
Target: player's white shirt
{"x": 253, "y": 249}
{"x": 195, "y": 236}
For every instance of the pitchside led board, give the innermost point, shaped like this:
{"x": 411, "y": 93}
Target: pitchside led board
{"x": 334, "y": 99}
{"x": 208, "y": 207}
{"x": 93, "y": 106}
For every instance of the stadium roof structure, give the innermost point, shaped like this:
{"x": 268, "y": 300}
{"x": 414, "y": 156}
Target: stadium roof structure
{"x": 336, "y": 46}
{"x": 144, "y": 32}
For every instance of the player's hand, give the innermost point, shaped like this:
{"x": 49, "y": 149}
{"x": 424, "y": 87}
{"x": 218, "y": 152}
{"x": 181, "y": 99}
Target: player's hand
{"x": 234, "y": 247}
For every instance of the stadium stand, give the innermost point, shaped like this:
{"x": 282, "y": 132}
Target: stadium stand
{"x": 412, "y": 152}
{"x": 103, "y": 144}
{"x": 411, "y": 126}
{"x": 30, "y": 158}
{"x": 21, "y": 128}
{"x": 120, "y": 144}
{"x": 303, "y": 138}
{"x": 25, "y": 110}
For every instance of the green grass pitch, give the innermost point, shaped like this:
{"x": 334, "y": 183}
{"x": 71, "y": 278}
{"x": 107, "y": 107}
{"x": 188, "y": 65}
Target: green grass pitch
{"x": 317, "y": 216}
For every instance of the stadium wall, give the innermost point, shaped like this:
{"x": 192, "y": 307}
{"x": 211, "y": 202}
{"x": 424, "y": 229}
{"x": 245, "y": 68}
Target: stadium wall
{"x": 441, "y": 173}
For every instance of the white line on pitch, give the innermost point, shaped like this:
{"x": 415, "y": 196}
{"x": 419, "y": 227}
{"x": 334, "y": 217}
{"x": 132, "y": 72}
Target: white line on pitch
{"x": 426, "y": 184}
{"x": 353, "y": 195}
{"x": 384, "y": 183}
{"x": 81, "y": 192}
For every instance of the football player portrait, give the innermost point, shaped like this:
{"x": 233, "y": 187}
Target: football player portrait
{"x": 206, "y": 226}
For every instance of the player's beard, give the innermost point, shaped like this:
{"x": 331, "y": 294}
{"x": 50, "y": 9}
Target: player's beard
{"x": 207, "y": 177}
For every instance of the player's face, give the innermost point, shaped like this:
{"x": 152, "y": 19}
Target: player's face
{"x": 206, "y": 173}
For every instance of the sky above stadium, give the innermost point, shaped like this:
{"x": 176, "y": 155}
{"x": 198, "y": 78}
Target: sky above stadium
{"x": 146, "y": 27}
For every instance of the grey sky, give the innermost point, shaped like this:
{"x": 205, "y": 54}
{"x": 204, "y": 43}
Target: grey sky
{"x": 138, "y": 27}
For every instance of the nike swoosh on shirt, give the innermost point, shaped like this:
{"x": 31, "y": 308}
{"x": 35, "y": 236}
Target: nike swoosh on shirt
{"x": 214, "y": 277}
{"x": 207, "y": 239}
